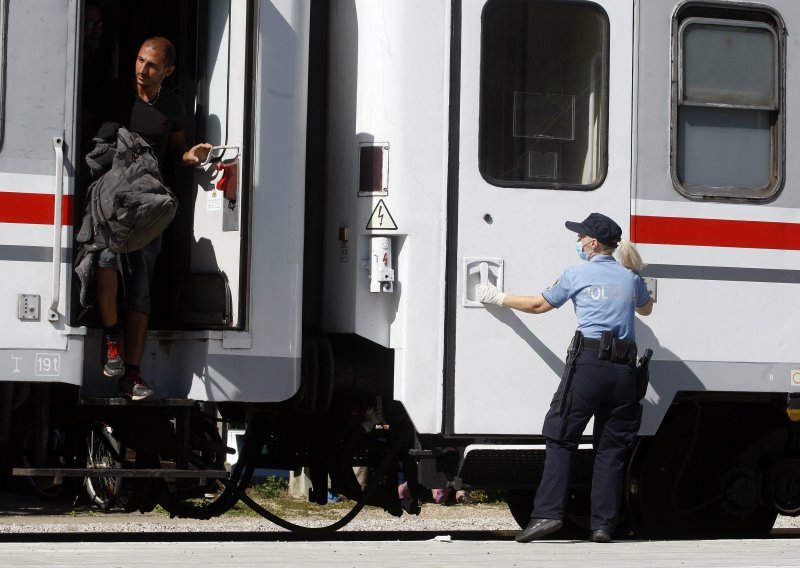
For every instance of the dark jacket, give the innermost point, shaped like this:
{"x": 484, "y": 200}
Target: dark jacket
{"x": 127, "y": 205}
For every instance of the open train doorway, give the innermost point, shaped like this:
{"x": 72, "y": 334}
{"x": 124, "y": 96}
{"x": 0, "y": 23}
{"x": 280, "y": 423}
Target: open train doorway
{"x": 199, "y": 277}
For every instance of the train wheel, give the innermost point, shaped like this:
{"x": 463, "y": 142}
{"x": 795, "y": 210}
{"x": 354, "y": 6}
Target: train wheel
{"x": 685, "y": 482}
{"x": 102, "y": 452}
{"x": 61, "y": 453}
{"x": 520, "y": 504}
{"x": 201, "y": 498}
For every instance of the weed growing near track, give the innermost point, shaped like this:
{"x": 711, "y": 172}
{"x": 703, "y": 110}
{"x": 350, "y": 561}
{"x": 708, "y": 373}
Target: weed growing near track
{"x": 272, "y": 488}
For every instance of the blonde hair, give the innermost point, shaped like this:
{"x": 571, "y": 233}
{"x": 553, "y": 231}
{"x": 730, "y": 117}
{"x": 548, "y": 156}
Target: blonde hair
{"x": 628, "y": 256}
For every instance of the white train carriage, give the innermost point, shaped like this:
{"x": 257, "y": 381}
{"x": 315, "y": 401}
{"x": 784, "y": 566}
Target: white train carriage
{"x": 244, "y": 94}
{"x": 468, "y": 136}
{"x": 226, "y": 322}
{"x": 388, "y": 152}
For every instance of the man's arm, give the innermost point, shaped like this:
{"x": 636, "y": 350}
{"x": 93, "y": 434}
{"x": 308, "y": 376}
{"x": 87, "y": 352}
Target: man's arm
{"x": 185, "y": 155}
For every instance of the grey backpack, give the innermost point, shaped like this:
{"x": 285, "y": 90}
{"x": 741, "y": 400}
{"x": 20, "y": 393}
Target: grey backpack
{"x": 129, "y": 204}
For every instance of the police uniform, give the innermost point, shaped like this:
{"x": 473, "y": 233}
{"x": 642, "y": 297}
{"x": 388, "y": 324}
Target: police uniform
{"x": 604, "y": 294}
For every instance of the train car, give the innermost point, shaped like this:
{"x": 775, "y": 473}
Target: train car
{"x": 390, "y": 154}
{"x": 242, "y": 74}
{"x": 518, "y": 116}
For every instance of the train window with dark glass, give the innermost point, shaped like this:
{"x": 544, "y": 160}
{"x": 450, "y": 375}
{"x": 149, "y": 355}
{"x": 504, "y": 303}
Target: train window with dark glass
{"x": 727, "y": 124}
{"x": 544, "y": 92}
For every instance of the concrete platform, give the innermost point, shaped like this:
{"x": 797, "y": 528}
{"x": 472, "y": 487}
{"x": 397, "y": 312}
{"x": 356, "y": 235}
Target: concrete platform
{"x": 433, "y": 553}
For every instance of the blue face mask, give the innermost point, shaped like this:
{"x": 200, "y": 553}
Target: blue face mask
{"x": 581, "y": 253}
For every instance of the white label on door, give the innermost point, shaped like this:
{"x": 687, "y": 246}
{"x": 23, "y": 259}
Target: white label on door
{"x": 214, "y": 200}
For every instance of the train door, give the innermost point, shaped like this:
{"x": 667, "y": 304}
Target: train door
{"x": 37, "y": 164}
{"x": 544, "y": 134}
{"x": 206, "y": 291}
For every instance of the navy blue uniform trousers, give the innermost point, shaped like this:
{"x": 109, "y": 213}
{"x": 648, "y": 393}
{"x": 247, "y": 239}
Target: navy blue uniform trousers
{"x": 608, "y": 391}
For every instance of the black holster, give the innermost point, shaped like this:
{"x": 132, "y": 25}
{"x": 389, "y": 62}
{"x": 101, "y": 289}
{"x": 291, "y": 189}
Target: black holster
{"x": 643, "y": 373}
{"x": 575, "y": 347}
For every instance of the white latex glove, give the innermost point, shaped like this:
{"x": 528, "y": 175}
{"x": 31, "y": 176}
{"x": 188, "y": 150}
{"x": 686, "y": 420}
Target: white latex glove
{"x": 489, "y": 294}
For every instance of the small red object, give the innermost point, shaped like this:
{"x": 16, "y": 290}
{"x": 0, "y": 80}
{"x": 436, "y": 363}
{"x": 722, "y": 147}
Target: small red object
{"x": 227, "y": 182}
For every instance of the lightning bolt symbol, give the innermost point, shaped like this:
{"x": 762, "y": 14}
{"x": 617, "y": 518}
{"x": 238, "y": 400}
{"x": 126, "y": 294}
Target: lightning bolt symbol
{"x": 380, "y": 215}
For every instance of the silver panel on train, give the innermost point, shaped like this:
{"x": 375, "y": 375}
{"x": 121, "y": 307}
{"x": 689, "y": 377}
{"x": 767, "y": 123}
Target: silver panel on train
{"x": 36, "y": 83}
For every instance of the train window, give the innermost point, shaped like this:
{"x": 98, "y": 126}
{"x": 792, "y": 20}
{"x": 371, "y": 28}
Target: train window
{"x": 727, "y": 132}
{"x": 728, "y": 64}
{"x": 543, "y": 100}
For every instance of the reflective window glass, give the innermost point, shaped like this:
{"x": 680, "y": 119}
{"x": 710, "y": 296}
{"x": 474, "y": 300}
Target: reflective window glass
{"x": 732, "y": 65}
{"x": 724, "y": 147}
{"x": 543, "y": 94}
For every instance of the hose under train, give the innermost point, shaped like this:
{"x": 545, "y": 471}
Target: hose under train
{"x": 235, "y": 492}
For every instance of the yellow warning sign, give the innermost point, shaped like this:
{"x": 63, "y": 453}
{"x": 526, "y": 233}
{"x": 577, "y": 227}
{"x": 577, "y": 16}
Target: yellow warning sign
{"x": 795, "y": 378}
{"x": 381, "y": 219}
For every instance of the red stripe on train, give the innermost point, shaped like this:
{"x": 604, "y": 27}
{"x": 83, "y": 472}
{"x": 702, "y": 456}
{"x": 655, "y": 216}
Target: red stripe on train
{"x": 715, "y": 232}
{"x": 33, "y": 208}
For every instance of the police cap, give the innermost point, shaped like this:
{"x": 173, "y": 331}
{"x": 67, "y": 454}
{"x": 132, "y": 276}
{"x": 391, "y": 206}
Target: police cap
{"x": 599, "y": 227}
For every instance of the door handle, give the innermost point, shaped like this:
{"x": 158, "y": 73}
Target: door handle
{"x": 217, "y": 153}
{"x": 476, "y": 271}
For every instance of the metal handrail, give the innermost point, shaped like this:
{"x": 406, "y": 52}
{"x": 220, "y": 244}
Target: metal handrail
{"x": 58, "y": 147}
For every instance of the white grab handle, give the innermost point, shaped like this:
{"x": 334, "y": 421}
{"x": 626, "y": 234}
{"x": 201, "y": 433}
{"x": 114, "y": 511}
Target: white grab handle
{"x": 58, "y": 147}
{"x": 477, "y": 270}
{"x": 216, "y": 153}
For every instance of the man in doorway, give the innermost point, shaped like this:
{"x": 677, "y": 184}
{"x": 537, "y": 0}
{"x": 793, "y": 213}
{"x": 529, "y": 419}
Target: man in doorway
{"x": 148, "y": 108}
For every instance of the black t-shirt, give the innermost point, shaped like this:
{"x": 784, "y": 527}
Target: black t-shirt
{"x": 153, "y": 122}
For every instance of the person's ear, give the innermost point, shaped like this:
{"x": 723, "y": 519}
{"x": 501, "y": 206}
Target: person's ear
{"x": 169, "y": 71}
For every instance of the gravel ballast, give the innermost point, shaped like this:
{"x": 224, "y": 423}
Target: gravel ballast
{"x": 48, "y": 518}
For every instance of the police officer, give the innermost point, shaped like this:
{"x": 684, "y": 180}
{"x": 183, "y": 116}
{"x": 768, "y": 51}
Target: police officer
{"x": 600, "y": 376}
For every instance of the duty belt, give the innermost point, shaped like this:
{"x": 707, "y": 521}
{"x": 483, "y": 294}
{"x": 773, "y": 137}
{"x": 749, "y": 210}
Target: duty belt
{"x": 612, "y": 349}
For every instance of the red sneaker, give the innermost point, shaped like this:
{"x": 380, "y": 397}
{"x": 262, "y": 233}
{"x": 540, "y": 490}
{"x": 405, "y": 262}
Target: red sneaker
{"x": 111, "y": 356}
{"x": 132, "y": 386}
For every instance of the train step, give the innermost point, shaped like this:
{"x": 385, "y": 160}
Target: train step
{"x": 122, "y": 401}
{"x": 121, "y": 472}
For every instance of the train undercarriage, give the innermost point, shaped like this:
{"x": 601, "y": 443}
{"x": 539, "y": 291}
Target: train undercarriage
{"x": 720, "y": 465}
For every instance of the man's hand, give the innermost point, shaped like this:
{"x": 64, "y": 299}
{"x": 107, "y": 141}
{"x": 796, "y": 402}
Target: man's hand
{"x": 196, "y": 154}
{"x": 489, "y": 294}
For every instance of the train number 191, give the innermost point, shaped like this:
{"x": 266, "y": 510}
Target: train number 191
{"x": 48, "y": 365}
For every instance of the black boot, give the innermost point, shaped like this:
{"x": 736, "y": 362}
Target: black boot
{"x": 538, "y": 528}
